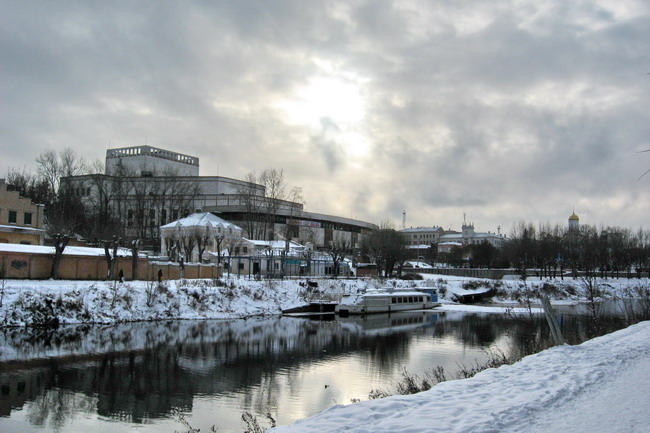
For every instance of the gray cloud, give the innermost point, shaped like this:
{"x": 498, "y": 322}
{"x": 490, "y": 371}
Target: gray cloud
{"x": 504, "y": 110}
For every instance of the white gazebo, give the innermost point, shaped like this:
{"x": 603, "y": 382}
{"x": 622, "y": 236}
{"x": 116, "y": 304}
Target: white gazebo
{"x": 198, "y": 231}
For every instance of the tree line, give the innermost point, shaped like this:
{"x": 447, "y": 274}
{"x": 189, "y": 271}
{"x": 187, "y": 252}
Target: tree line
{"x": 543, "y": 250}
{"x": 606, "y": 251}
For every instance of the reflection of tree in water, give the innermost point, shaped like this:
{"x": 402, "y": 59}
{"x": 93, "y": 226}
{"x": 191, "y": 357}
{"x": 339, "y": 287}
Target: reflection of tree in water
{"x": 54, "y": 406}
{"x": 176, "y": 361}
{"x": 137, "y": 372}
{"x": 471, "y": 330}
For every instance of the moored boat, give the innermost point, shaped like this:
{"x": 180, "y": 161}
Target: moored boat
{"x": 388, "y": 300}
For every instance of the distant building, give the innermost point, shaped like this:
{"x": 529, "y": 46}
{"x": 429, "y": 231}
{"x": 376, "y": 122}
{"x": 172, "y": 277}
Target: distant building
{"x": 422, "y": 236}
{"x": 471, "y": 237}
{"x": 274, "y": 258}
{"x": 574, "y": 222}
{"x": 148, "y": 161}
{"x": 21, "y": 221}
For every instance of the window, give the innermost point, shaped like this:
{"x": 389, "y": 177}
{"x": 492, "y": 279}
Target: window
{"x": 28, "y": 219}
{"x": 12, "y": 217}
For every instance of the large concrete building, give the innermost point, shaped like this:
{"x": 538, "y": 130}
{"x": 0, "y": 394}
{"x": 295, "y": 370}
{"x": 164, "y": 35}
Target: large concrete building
{"x": 146, "y": 187}
{"x": 148, "y": 161}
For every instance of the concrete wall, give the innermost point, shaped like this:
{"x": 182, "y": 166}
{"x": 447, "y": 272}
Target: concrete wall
{"x": 21, "y": 237}
{"x": 39, "y": 266}
{"x": 494, "y": 274}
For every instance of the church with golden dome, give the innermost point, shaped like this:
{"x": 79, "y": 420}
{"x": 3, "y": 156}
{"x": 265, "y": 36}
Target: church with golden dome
{"x": 574, "y": 222}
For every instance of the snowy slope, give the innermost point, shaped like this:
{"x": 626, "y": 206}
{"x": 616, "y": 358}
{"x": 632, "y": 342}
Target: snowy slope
{"x": 599, "y": 386}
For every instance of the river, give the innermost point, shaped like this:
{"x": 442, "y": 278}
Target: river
{"x": 143, "y": 377}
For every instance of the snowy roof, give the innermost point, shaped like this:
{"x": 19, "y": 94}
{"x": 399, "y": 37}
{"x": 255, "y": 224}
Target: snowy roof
{"x": 421, "y": 229}
{"x": 487, "y": 235}
{"x": 451, "y": 236}
{"x": 415, "y": 264}
{"x": 4, "y": 227}
{"x": 201, "y": 220}
{"x": 276, "y": 245}
{"x": 68, "y": 251}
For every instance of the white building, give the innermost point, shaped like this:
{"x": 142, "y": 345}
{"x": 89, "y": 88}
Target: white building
{"x": 437, "y": 235}
{"x": 423, "y": 235}
{"x": 213, "y": 232}
{"x": 275, "y": 258}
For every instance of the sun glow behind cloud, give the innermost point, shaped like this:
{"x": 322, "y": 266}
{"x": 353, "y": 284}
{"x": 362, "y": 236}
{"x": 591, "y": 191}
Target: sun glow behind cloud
{"x": 334, "y": 97}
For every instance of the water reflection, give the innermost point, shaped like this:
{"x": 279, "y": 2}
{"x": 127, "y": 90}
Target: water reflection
{"x": 141, "y": 373}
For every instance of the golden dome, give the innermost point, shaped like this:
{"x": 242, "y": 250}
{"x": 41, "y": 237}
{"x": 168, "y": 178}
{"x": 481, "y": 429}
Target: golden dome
{"x": 574, "y": 217}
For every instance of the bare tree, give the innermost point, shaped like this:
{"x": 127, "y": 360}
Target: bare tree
{"x": 202, "y": 237}
{"x": 64, "y": 210}
{"x": 60, "y": 242}
{"x": 110, "y": 253}
{"x": 337, "y": 250}
{"x": 387, "y": 247}
{"x": 252, "y": 204}
{"x": 135, "y": 246}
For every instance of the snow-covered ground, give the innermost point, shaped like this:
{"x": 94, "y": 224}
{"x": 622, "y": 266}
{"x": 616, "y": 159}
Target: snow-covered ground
{"x": 600, "y": 386}
{"x": 26, "y": 302}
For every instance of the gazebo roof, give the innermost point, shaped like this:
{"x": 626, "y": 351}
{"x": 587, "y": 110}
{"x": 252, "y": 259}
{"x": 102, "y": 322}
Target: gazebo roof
{"x": 201, "y": 220}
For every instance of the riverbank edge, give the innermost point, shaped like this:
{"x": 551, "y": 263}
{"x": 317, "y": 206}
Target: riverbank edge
{"x": 504, "y": 398}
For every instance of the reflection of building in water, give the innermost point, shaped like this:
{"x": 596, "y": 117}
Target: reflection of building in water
{"x": 179, "y": 361}
{"x": 141, "y": 371}
{"x": 389, "y": 323}
{"x": 17, "y": 388}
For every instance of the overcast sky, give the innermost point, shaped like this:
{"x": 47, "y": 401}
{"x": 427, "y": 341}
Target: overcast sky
{"x": 501, "y": 110}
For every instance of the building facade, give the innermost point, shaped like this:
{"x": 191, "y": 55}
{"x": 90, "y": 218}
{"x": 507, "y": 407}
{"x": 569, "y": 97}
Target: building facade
{"x": 423, "y": 236}
{"x": 21, "y": 221}
{"x": 145, "y": 187}
{"x": 148, "y": 161}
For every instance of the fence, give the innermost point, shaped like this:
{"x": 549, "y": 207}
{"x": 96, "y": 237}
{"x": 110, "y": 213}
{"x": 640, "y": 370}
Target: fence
{"x": 270, "y": 267}
{"x": 35, "y": 266}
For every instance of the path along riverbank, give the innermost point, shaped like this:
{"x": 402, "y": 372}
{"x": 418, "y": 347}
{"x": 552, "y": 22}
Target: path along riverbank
{"x": 602, "y": 385}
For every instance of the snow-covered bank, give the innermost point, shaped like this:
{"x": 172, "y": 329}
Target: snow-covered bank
{"x": 29, "y": 302}
{"x": 565, "y": 388}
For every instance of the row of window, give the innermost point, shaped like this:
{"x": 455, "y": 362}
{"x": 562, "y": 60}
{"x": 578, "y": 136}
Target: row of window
{"x": 426, "y": 236}
{"x": 175, "y": 213}
{"x": 407, "y": 299}
{"x": 12, "y": 217}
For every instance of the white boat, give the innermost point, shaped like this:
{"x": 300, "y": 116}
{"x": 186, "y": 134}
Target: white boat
{"x": 386, "y": 301}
